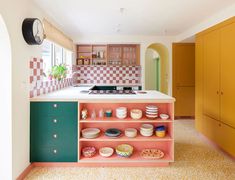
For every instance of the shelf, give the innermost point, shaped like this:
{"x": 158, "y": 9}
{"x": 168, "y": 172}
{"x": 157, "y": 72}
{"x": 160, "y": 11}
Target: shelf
{"x": 126, "y": 120}
{"x": 124, "y": 138}
{"x": 99, "y": 59}
{"x": 134, "y": 158}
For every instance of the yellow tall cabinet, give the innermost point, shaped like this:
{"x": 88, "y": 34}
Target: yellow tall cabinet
{"x": 215, "y": 84}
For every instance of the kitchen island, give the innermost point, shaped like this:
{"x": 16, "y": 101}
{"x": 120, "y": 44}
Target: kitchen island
{"x": 56, "y": 125}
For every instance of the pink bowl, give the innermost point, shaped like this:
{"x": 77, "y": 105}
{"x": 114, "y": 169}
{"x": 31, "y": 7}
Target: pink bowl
{"x": 88, "y": 151}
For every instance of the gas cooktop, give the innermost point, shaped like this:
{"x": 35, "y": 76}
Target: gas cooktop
{"x": 129, "y": 92}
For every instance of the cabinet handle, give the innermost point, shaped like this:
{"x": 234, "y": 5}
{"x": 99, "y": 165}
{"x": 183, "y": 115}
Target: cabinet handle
{"x": 55, "y": 105}
{"x": 55, "y": 136}
{"x": 54, "y": 151}
{"x": 55, "y": 121}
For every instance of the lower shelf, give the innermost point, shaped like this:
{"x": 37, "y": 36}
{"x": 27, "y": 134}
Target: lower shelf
{"x": 116, "y": 159}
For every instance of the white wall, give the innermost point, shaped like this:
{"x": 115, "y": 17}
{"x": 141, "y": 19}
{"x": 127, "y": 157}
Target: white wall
{"x": 14, "y": 12}
{"x": 144, "y": 42}
{"x": 5, "y": 103}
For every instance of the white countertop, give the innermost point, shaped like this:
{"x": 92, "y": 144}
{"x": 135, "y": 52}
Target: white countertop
{"x": 75, "y": 94}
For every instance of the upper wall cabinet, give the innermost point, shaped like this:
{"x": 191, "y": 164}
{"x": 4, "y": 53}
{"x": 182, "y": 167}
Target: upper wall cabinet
{"x": 90, "y": 54}
{"x": 111, "y": 54}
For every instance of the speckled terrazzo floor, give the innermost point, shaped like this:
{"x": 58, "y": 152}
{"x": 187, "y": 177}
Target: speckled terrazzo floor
{"x": 194, "y": 159}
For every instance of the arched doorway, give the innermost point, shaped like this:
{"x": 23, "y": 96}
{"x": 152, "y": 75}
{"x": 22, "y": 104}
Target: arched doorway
{"x": 5, "y": 103}
{"x": 157, "y": 68}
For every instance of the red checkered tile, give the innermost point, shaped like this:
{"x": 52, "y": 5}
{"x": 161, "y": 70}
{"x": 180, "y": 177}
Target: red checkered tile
{"x": 39, "y": 86}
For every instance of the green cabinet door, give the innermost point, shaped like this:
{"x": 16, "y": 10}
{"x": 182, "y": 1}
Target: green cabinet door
{"x": 53, "y": 131}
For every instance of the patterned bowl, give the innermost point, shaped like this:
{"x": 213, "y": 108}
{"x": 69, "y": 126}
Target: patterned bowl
{"x": 124, "y": 150}
{"x": 88, "y": 152}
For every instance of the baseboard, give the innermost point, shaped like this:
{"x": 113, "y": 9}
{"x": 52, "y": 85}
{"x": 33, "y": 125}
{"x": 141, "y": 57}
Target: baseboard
{"x": 25, "y": 172}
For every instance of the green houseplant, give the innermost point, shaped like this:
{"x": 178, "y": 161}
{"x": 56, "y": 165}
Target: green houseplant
{"x": 59, "y": 71}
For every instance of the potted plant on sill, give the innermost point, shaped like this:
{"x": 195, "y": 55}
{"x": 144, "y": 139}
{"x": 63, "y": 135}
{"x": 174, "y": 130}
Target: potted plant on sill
{"x": 58, "y": 72}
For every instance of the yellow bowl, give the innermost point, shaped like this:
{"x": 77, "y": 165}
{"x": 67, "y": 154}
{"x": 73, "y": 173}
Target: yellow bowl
{"x": 160, "y": 133}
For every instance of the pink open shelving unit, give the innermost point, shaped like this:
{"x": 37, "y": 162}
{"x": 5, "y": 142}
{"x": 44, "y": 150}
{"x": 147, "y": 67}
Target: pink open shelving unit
{"x": 166, "y": 144}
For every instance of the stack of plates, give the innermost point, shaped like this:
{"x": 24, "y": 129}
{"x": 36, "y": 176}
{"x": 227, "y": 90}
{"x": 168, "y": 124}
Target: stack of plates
{"x": 151, "y": 111}
{"x": 146, "y": 130}
{"x": 121, "y": 112}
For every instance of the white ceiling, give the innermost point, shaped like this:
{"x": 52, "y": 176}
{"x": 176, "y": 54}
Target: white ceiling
{"x": 139, "y": 17}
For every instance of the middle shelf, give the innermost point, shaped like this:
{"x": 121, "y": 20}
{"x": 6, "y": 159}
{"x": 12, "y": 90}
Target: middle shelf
{"x": 124, "y": 138}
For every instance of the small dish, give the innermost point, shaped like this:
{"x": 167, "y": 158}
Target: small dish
{"x": 106, "y": 151}
{"x": 88, "y": 152}
{"x": 164, "y": 116}
{"x": 113, "y": 132}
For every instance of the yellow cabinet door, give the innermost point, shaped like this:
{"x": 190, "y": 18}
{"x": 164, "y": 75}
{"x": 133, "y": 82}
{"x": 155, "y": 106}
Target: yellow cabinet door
{"x": 198, "y": 82}
{"x": 211, "y": 74}
{"x": 185, "y": 101}
{"x": 228, "y": 75}
{"x": 211, "y": 129}
{"x": 227, "y": 141}
{"x": 184, "y": 64}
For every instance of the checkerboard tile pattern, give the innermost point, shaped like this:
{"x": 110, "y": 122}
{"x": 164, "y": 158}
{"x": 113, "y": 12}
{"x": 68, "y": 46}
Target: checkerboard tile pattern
{"x": 124, "y": 75}
{"x": 38, "y": 86}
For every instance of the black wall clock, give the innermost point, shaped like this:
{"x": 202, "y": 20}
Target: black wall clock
{"x": 33, "y": 31}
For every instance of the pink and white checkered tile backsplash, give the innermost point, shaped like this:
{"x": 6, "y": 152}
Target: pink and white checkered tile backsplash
{"x": 120, "y": 75}
{"x": 38, "y": 85}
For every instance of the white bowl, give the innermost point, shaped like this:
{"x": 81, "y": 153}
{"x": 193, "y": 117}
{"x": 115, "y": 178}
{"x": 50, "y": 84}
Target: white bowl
{"x": 122, "y": 116}
{"x": 106, "y": 151}
{"x": 136, "y": 113}
{"x": 164, "y": 116}
{"x": 146, "y": 127}
{"x": 147, "y": 134}
{"x": 90, "y": 133}
{"x": 121, "y": 110}
{"x": 131, "y": 132}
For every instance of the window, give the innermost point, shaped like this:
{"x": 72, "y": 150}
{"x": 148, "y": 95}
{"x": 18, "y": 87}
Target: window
{"x": 47, "y": 56}
{"x": 53, "y": 54}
